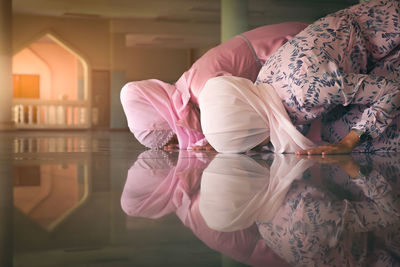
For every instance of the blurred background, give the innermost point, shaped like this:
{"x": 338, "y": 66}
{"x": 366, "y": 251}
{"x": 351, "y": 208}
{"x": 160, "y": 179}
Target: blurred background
{"x": 63, "y": 62}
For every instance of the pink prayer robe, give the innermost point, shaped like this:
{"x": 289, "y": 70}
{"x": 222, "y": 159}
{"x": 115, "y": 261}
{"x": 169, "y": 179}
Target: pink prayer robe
{"x": 234, "y": 57}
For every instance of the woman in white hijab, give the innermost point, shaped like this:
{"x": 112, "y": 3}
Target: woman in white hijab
{"x": 241, "y": 115}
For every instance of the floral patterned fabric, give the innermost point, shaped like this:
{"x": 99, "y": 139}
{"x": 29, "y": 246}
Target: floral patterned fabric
{"x": 338, "y": 220}
{"x": 337, "y": 124}
{"x": 344, "y": 59}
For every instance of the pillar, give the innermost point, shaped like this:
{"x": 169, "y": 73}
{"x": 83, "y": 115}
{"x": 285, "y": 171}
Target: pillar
{"x": 233, "y": 18}
{"x": 6, "y": 202}
{"x": 6, "y": 92}
{"x": 117, "y": 78}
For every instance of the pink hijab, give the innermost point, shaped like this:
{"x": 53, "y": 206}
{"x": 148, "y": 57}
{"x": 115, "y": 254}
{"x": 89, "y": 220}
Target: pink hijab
{"x": 155, "y": 187}
{"x": 156, "y": 110}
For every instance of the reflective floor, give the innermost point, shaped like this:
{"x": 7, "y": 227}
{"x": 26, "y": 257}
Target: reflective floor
{"x": 101, "y": 199}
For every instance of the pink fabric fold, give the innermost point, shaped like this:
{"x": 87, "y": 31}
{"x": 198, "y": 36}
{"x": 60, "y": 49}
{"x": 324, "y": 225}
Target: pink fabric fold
{"x": 235, "y": 58}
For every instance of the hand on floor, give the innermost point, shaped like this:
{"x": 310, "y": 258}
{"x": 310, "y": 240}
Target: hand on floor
{"x": 172, "y": 144}
{"x": 335, "y": 148}
{"x": 171, "y": 147}
{"x": 206, "y": 147}
{"x": 345, "y": 146}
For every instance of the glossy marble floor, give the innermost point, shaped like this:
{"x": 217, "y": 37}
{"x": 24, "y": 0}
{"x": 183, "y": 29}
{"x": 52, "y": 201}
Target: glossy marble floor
{"x": 100, "y": 199}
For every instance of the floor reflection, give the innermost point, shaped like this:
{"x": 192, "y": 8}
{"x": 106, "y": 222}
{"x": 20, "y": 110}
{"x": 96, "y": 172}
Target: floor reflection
{"x": 51, "y": 144}
{"x": 159, "y": 184}
{"x": 311, "y": 211}
{"x": 100, "y": 199}
{"x": 48, "y": 193}
{"x": 333, "y": 211}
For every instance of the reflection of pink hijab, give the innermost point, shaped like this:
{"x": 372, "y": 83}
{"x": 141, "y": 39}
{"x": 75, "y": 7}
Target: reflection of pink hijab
{"x": 155, "y": 188}
{"x": 154, "y": 110}
{"x": 148, "y": 187}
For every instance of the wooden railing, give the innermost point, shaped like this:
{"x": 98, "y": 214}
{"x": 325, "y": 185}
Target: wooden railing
{"x": 50, "y": 114}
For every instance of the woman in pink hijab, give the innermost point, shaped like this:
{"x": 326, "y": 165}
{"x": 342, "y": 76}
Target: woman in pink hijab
{"x": 160, "y": 114}
{"x": 157, "y": 186}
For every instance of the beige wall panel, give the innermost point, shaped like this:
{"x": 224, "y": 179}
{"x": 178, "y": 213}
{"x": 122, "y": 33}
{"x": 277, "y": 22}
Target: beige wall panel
{"x": 166, "y": 64}
{"x": 89, "y": 37}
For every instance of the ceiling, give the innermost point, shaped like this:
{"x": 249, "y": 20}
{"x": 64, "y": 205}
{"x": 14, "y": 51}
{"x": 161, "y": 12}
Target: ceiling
{"x": 187, "y": 12}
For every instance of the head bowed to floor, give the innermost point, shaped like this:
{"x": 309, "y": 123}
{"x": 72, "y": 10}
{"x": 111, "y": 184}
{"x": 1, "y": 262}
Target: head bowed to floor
{"x": 154, "y": 110}
{"x": 237, "y": 115}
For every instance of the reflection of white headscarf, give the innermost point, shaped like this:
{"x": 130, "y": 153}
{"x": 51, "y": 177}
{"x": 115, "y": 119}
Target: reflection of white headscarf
{"x": 236, "y": 190}
{"x": 237, "y": 115}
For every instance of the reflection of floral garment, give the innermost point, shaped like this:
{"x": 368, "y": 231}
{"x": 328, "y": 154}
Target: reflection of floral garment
{"x": 314, "y": 227}
{"x": 332, "y": 62}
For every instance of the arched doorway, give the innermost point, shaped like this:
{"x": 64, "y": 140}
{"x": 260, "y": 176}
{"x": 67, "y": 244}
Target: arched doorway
{"x": 50, "y": 83}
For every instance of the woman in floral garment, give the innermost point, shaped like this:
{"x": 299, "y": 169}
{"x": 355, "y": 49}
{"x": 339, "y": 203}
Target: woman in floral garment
{"x": 345, "y": 59}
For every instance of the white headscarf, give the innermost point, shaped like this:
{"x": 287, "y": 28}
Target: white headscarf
{"x": 236, "y": 190}
{"x": 237, "y": 115}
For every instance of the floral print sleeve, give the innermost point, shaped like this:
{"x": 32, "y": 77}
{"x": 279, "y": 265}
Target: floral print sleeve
{"x": 330, "y": 62}
{"x": 381, "y": 96}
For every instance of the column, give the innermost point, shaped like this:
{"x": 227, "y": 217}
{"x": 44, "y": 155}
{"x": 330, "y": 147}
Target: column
{"x": 233, "y": 18}
{"x": 6, "y": 201}
{"x": 117, "y": 78}
{"x": 6, "y": 92}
